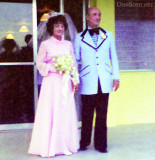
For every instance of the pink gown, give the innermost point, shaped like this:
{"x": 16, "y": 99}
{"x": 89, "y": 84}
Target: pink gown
{"x": 55, "y": 130}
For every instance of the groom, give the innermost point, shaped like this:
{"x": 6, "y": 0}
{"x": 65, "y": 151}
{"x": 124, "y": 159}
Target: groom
{"x": 99, "y": 75}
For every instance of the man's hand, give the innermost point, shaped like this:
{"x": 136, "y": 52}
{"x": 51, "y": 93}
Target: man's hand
{"x": 115, "y": 85}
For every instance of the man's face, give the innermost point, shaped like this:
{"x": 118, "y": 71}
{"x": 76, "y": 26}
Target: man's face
{"x": 94, "y": 17}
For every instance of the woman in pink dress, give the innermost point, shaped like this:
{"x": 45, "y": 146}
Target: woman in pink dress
{"x": 55, "y": 130}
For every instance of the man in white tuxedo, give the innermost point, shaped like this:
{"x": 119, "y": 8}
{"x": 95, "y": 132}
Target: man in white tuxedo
{"x": 99, "y": 75}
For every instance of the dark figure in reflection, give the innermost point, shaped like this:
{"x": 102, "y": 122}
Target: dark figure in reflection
{"x": 9, "y": 80}
{"x": 26, "y": 54}
{"x": 11, "y": 51}
{"x": 16, "y": 89}
{"x": 27, "y": 91}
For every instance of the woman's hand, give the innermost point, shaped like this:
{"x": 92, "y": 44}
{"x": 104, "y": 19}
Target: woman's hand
{"x": 76, "y": 87}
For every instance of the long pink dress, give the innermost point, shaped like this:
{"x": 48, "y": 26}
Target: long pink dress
{"x": 55, "y": 130}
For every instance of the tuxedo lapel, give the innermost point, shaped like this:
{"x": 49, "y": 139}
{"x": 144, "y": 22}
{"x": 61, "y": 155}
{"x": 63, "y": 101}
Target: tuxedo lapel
{"x": 87, "y": 39}
{"x": 101, "y": 38}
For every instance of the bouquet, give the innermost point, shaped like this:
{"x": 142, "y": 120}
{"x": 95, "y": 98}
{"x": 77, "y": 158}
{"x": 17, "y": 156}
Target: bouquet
{"x": 65, "y": 64}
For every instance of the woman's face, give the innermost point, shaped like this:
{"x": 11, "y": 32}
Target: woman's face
{"x": 58, "y": 29}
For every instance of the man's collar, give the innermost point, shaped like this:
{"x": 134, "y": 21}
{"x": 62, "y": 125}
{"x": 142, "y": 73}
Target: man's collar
{"x": 84, "y": 32}
{"x": 92, "y": 28}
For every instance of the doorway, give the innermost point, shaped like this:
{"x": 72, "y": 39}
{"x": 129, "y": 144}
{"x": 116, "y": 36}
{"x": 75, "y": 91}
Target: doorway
{"x": 18, "y": 75}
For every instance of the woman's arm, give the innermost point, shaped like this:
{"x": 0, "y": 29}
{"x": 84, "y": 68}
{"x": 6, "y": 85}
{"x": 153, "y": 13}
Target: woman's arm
{"x": 42, "y": 66}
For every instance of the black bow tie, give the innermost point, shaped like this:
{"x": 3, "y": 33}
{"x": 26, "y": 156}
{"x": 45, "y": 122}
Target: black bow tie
{"x": 92, "y": 31}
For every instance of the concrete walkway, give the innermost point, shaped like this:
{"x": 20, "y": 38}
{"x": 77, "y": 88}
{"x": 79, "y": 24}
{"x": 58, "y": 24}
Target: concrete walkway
{"x": 129, "y": 142}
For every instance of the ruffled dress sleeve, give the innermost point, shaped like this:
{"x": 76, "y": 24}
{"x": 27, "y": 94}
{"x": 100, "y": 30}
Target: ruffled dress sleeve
{"x": 42, "y": 65}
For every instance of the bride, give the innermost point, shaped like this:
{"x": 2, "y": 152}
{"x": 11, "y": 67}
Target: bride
{"x": 55, "y": 130}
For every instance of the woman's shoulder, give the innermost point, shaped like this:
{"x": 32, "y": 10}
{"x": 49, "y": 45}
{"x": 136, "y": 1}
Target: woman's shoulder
{"x": 46, "y": 42}
{"x": 68, "y": 42}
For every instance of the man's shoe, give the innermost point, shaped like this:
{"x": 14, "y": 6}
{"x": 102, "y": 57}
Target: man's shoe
{"x": 83, "y": 148}
{"x": 102, "y": 150}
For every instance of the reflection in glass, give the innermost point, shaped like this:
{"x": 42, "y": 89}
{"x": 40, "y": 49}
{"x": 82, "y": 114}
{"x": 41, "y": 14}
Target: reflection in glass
{"x": 12, "y": 33}
{"x": 26, "y": 53}
{"x": 16, "y": 94}
{"x": 17, "y": 83}
{"x": 23, "y": 29}
{"x": 75, "y": 10}
{"x": 46, "y": 6}
{"x": 9, "y": 36}
{"x": 10, "y": 51}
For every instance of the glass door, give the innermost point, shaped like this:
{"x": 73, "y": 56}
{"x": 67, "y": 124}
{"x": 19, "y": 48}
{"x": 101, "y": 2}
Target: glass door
{"x": 19, "y": 79}
{"x": 16, "y": 65}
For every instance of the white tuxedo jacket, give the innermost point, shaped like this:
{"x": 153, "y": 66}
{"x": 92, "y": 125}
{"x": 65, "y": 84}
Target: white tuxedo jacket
{"x": 96, "y": 62}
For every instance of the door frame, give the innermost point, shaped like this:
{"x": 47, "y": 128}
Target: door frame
{"x": 4, "y": 127}
{"x": 8, "y": 127}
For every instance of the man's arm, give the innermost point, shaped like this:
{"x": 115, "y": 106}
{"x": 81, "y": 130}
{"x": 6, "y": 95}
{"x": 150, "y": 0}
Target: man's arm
{"x": 114, "y": 63}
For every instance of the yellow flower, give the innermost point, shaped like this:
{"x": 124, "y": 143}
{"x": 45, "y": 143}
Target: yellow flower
{"x": 67, "y": 72}
{"x": 60, "y": 72}
{"x": 54, "y": 59}
{"x": 103, "y": 36}
{"x": 69, "y": 69}
{"x": 65, "y": 64}
{"x": 69, "y": 56}
{"x": 62, "y": 66}
{"x": 56, "y": 65}
{"x": 75, "y": 73}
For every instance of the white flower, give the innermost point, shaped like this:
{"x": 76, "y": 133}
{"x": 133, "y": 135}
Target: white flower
{"x": 103, "y": 36}
{"x": 67, "y": 72}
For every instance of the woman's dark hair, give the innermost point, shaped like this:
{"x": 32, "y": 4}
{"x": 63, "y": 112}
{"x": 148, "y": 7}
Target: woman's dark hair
{"x": 55, "y": 20}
